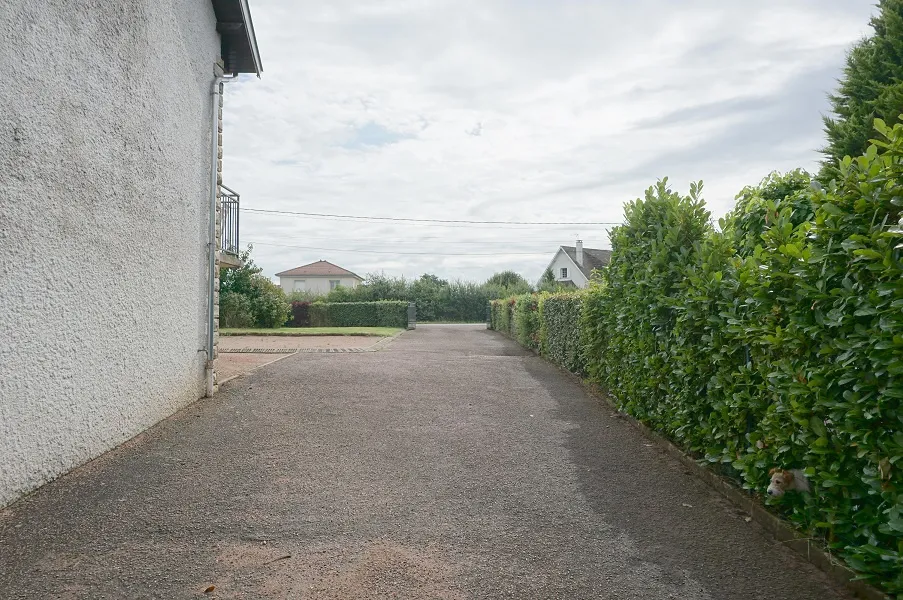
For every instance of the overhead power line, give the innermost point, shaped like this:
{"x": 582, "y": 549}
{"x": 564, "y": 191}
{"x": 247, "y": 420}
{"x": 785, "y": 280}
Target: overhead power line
{"x": 412, "y": 220}
{"x": 433, "y": 241}
{"x": 401, "y": 253}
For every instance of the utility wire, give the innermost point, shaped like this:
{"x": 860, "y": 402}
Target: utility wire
{"x": 401, "y": 253}
{"x": 411, "y": 220}
{"x": 438, "y": 240}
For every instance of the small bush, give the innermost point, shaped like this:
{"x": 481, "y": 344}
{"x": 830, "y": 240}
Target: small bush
{"x": 235, "y": 310}
{"x": 269, "y": 306}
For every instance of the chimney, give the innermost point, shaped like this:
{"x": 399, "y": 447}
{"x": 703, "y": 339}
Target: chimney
{"x": 580, "y": 253}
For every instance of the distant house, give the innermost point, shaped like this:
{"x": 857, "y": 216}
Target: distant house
{"x": 574, "y": 265}
{"x": 319, "y": 277}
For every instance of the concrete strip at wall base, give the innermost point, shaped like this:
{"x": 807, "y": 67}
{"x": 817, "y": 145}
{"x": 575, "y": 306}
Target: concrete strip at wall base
{"x": 779, "y": 529}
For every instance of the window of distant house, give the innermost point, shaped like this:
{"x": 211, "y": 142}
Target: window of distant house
{"x": 564, "y": 273}
{"x": 299, "y": 285}
{"x": 334, "y": 283}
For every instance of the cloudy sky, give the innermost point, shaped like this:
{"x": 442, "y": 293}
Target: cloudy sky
{"x": 514, "y": 110}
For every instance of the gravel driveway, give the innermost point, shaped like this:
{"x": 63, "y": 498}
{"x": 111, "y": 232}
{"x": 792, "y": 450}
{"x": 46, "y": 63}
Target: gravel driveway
{"x": 449, "y": 465}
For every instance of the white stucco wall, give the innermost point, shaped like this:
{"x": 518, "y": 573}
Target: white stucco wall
{"x": 574, "y": 274}
{"x": 104, "y": 177}
{"x": 317, "y": 285}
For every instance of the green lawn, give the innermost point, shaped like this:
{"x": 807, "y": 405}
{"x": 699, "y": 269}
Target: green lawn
{"x": 376, "y": 331}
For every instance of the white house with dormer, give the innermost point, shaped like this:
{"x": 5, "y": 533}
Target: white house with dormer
{"x": 574, "y": 265}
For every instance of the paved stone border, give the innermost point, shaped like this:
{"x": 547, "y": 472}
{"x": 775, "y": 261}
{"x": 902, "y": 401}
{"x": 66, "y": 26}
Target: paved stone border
{"x": 290, "y": 350}
{"x": 380, "y": 345}
{"x": 264, "y": 333}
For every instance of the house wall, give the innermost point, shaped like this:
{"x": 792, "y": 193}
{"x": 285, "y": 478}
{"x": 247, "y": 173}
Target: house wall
{"x": 317, "y": 285}
{"x": 104, "y": 178}
{"x": 574, "y": 274}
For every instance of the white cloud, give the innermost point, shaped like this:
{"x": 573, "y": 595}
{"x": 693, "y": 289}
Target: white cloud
{"x": 514, "y": 110}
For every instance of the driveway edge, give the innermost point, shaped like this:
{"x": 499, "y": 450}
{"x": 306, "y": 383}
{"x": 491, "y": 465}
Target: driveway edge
{"x": 383, "y": 343}
{"x": 237, "y": 375}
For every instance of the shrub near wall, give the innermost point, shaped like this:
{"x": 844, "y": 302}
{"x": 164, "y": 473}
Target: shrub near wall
{"x": 386, "y": 313}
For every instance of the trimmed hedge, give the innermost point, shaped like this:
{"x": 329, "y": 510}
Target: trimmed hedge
{"x": 526, "y": 321}
{"x": 385, "y": 313}
{"x": 559, "y": 333}
{"x": 774, "y": 342}
{"x": 502, "y": 315}
{"x": 547, "y": 323}
{"x": 300, "y": 314}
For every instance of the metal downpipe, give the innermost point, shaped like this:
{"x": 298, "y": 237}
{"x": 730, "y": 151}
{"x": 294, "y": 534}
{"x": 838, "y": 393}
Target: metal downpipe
{"x": 215, "y": 94}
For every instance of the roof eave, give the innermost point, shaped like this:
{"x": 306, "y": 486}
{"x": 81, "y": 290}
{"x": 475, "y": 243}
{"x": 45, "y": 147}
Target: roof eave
{"x": 252, "y": 37}
{"x": 561, "y": 250}
{"x": 239, "y": 42}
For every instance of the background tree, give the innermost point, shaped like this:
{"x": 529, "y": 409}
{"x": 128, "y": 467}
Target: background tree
{"x": 507, "y": 279}
{"x": 239, "y": 280}
{"x": 547, "y": 282}
{"x": 247, "y": 298}
{"x": 871, "y": 87}
{"x": 437, "y": 299}
{"x": 429, "y": 278}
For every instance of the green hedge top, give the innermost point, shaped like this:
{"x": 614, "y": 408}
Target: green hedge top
{"x": 383, "y": 313}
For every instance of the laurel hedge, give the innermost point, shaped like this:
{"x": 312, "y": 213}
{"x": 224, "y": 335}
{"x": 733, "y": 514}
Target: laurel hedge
{"x": 775, "y": 340}
{"x": 526, "y": 320}
{"x": 548, "y": 323}
{"x": 502, "y": 315}
{"x": 384, "y": 313}
{"x": 559, "y": 334}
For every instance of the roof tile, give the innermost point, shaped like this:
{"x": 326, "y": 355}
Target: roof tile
{"x": 321, "y": 268}
{"x": 593, "y": 258}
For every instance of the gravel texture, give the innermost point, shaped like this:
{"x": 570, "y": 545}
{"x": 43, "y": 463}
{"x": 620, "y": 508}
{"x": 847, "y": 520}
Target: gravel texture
{"x": 451, "y": 465}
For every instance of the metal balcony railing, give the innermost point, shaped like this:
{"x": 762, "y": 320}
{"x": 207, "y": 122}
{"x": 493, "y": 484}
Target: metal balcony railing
{"x": 228, "y": 200}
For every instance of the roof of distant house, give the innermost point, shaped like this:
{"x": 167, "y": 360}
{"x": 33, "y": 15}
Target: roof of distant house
{"x": 321, "y": 268}
{"x": 593, "y": 258}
